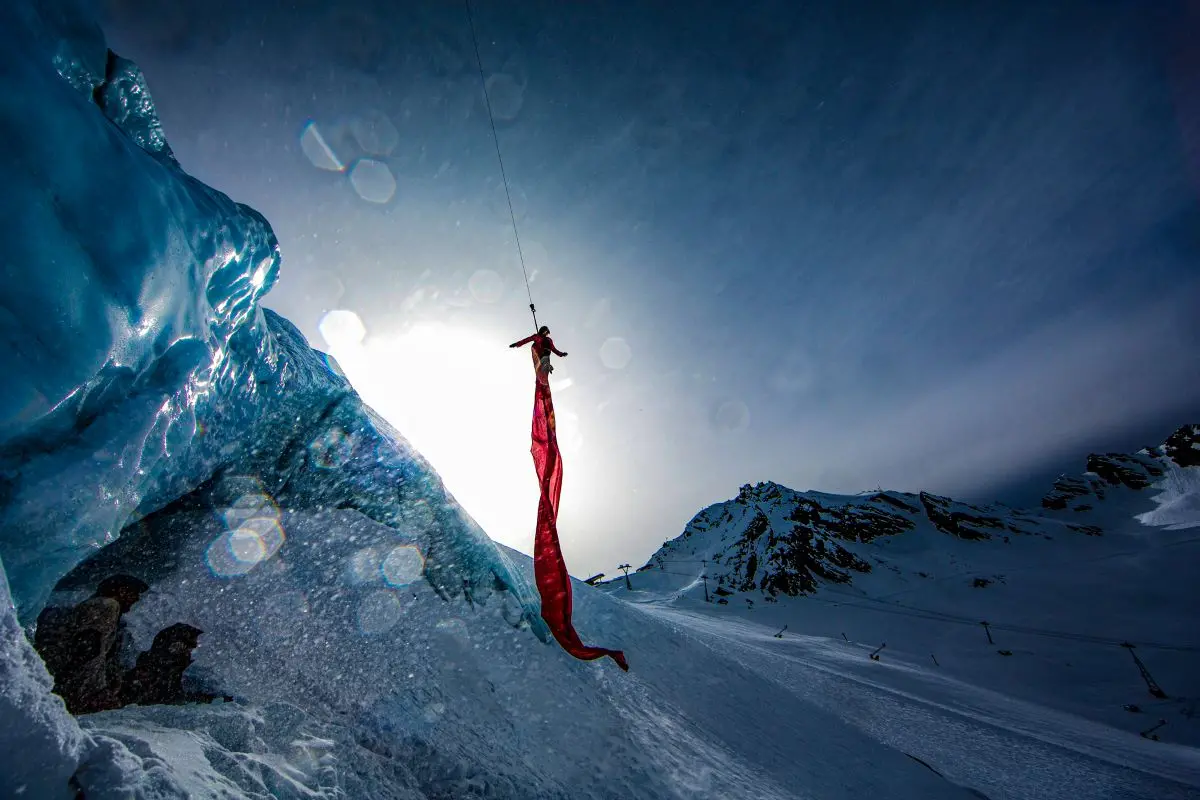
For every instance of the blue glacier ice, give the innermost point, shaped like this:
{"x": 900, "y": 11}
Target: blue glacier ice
{"x": 139, "y": 365}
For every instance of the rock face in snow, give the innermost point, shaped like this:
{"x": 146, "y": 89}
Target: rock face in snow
{"x": 81, "y": 645}
{"x": 1183, "y": 446}
{"x": 960, "y": 520}
{"x": 1067, "y": 488}
{"x": 1139, "y": 470}
{"x": 776, "y": 541}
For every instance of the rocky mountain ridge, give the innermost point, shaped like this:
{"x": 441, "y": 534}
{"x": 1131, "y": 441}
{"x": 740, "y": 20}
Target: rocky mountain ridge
{"x": 773, "y": 540}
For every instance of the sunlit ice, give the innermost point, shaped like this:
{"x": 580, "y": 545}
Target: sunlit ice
{"x": 463, "y": 399}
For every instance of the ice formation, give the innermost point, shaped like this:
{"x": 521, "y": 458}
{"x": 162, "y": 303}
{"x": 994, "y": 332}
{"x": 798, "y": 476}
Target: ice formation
{"x": 140, "y": 364}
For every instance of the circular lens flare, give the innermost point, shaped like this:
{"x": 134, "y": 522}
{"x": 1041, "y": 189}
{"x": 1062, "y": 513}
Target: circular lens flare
{"x": 332, "y": 449}
{"x": 378, "y": 612}
{"x": 403, "y": 565}
{"x": 247, "y": 547}
{"x": 254, "y": 534}
{"x": 615, "y": 353}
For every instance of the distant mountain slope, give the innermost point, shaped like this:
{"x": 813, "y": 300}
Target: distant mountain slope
{"x": 1110, "y": 558}
{"x": 777, "y": 541}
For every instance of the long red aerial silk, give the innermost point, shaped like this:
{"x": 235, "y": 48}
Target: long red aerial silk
{"x": 549, "y": 568}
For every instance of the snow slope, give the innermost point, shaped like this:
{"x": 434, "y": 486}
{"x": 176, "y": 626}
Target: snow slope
{"x": 41, "y": 743}
{"x": 356, "y": 689}
{"x": 1110, "y": 558}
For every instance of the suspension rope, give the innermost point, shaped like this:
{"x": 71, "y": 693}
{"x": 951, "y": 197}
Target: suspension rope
{"x": 503, "y": 176}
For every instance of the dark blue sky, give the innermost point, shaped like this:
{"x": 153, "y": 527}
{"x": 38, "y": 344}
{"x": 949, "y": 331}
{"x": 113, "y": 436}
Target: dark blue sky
{"x": 942, "y": 245}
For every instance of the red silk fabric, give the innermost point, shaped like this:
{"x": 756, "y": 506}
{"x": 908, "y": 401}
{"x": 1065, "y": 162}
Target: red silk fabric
{"x": 549, "y": 568}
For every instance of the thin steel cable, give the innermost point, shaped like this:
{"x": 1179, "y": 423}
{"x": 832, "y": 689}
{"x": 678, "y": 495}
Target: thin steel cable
{"x": 503, "y": 175}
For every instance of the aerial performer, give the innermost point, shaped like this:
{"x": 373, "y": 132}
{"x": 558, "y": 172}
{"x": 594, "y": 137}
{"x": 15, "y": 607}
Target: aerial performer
{"x": 543, "y": 346}
{"x": 549, "y": 567}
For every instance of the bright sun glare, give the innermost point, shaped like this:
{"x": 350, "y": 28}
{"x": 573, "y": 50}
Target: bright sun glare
{"x": 465, "y": 402}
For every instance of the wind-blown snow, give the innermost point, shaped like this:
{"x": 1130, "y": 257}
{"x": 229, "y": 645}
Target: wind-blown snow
{"x": 1178, "y": 500}
{"x": 435, "y": 699}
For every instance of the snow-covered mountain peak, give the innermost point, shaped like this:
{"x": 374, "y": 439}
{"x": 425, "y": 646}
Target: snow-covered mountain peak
{"x": 775, "y": 540}
{"x": 1045, "y": 604}
{"x": 1137, "y": 471}
{"x": 1183, "y": 446}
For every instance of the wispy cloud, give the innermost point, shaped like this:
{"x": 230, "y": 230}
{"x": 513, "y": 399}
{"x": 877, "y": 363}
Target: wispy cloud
{"x": 1037, "y": 399}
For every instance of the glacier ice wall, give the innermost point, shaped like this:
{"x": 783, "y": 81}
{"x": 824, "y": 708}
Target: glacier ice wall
{"x": 138, "y": 364}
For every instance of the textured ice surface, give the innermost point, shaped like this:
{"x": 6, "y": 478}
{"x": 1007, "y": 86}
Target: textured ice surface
{"x": 138, "y": 364}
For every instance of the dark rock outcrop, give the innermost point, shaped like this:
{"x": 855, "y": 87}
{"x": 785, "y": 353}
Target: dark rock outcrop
{"x": 948, "y": 519}
{"x": 884, "y": 497}
{"x": 853, "y": 523}
{"x": 157, "y": 678}
{"x": 1183, "y": 446}
{"x": 81, "y": 645}
{"x": 1117, "y": 469}
{"x": 790, "y": 561}
{"x": 1066, "y": 489}
{"x": 1135, "y": 471}
{"x": 795, "y": 566}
